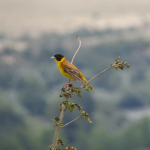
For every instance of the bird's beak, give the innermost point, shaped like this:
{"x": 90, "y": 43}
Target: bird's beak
{"x": 52, "y": 57}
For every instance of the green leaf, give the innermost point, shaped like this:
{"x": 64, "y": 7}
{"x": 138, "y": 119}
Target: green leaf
{"x": 71, "y": 108}
{"x": 60, "y": 141}
{"x": 85, "y": 115}
{"x": 56, "y": 119}
{"x": 70, "y": 148}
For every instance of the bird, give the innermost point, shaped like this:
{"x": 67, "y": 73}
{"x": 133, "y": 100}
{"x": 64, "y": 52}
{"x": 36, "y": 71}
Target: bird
{"x": 69, "y": 70}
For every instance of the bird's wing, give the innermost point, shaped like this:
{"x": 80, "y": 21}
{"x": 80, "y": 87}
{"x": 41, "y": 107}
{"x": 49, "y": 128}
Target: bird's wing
{"x": 74, "y": 73}
{"x": 72, "y": 70}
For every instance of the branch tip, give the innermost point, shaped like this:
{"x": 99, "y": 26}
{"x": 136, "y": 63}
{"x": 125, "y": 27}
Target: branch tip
{"x": 77, "y": 49}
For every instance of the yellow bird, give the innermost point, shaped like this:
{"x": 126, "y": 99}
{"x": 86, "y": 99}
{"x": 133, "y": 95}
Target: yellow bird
{"x": 69, "y": 70}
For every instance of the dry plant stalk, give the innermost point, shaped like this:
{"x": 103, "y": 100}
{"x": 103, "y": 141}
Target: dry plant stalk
{"x": 117, "y": 64}
{"x": 62, "y": 113}
{"x": 77, "y": 49}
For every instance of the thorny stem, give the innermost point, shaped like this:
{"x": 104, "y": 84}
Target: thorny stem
{"x": 58, "y": 127}
{"x": 72, "y": 121}
{"x": 76, "y": 50}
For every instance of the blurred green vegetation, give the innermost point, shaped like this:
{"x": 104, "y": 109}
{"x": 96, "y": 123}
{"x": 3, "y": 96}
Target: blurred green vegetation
{"x": 30, "y": 84}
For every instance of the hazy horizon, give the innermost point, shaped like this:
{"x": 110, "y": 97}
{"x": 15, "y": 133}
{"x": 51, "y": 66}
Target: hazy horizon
{"x": 34, "y": 17}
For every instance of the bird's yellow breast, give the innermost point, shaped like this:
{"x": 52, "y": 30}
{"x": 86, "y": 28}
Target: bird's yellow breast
{"x": 61, "y": 68}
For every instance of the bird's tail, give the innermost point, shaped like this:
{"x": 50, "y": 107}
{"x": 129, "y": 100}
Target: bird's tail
{"x": 88, "y": 84}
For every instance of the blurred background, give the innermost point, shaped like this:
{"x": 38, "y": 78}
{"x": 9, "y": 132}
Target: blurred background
{"x": 32, "y": 31}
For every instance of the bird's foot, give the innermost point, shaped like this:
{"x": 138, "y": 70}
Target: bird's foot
{"x": 68, "y": 84}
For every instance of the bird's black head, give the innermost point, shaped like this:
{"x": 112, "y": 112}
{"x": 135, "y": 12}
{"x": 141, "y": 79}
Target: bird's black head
{"x": 58, "y": 57}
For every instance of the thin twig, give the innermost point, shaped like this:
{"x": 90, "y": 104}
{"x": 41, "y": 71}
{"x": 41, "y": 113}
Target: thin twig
{"x": 71, "y": 121}
{"x": 112, "y": 66}
{"x": 58, "y": 127}
{"x": 76, "y": 50}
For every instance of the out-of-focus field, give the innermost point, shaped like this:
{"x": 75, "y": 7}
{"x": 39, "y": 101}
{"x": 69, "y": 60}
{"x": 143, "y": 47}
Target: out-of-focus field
{"x": 31, "y": 31}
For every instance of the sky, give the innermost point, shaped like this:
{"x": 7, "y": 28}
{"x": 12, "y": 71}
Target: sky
{"x": 64, "y": 16}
